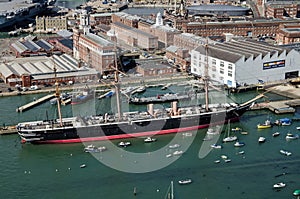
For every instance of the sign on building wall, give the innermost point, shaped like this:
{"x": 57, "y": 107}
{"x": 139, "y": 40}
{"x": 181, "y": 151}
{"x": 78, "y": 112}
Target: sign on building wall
{"x": 273, "y": 64}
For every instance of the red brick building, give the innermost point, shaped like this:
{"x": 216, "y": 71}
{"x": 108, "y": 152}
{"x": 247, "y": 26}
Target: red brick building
{"x": 154, "y": 69}
{"x": 288, "y": 34}
{"x": 94, "y": 50}
{"x": 100, "y": 18}
{"x": 126, "y": 19}
{"x": 179, "y": 57}
{"x": 240, "y": 28}
{"x": 282, "y": 9}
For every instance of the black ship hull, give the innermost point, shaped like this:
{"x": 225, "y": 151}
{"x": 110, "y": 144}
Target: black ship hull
{"x": 128, "y": 129}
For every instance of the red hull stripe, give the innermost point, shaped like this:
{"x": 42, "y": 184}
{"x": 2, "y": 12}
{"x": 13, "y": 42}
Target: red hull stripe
{"x": 130, "y": 135}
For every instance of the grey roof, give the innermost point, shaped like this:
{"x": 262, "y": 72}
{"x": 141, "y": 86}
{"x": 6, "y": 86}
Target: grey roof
{"x": 106, "y": 14}
{"x": 19, "y": 47}
{"x": 31, "y": 45}
{"x": 42, "y": 65}
{"x": 5, "y": 71}
{"x": 166, "y": 28}
{"x": 66, "y": 74}
{"x": 235, "y": 50}
{"x": 219, "y": 53}
{"x": 44, "y": 44}
{"x": 153, "y": 65}
{"x": 67, "y": 42}
{"x": 215, "y": 7}
{"x": 99, "y": 39}
{"x": 64, "y": 33}
{"x": 172, "y": 49}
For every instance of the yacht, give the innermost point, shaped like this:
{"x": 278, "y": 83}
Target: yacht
{"x": 290, "y": 136}
{"x": 239, "y": 144}
{"x": 275, "y": 134}
{"x": 279, "y": 185}
{"x": 265, "y": 125}
{"x": 216, "y": 146}
{"x": 187, "y": 181}
{"x": 261, "y": 139}
{"x": 124, "y": 144}
{"x": 149, "y": 139}
{"x": 93, "y": 149}
{"x": 283, "y": 152}
{"x": 178, "y": 153}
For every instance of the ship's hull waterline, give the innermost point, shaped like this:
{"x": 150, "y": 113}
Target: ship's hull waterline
{"x": 135, "y": 128}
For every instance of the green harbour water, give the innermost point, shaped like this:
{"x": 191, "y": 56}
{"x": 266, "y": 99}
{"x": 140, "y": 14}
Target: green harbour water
{"x": 53, "y": 171}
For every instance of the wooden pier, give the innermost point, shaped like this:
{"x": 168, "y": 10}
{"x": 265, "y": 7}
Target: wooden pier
{"x": 8, "y": 130}
{"x": 34, "y": 103}
{"x": 278, "y": 107}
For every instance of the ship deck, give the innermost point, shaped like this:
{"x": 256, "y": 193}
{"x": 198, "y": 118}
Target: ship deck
{"x": 13, "y": 5}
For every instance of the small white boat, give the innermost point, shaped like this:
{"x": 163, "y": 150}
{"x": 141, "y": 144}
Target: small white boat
{"x": 241, "y": 152}
{"x": 236, "y": 129}
{"x": 174, "y": 146}
{"x": 169, "y": 155}
{"x": 211, "y": 131}
{"x": 283, "y": 152}
{"x": 230, "y": 139}
{"x": 93, "y": 149}
{"x": 279, "y": 185}
{"x": 216, "y": 146}
{"x": 290, "y": 136}
{"x": 124, "y": 144}
{"x": 275, "y": 134}
{"x": 82, "y": 166}
{"x": 187, "y": 134}
{"x": 187, "y": 181}
{"x": 224, "y": 157}
{"x": 227, "y": 160}
{"x": 149, "y": 139}
{"x": 239, "y": 144}
{"x": 178, "y": 153}
{"x": 217, "y": 161}
{"x": 261, "y": 139}
{"x": 298, "y": 127}
{"x": 244, "y": 133}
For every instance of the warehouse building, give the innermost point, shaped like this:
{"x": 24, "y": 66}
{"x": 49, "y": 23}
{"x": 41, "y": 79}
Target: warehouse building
{"x": 241, "y": 62}
{"x": 39, "y": 71}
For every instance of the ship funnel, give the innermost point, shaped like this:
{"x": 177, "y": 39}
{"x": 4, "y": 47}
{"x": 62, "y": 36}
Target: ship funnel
{"x": 150, "y": 109}
{"x": 174, "y": 107}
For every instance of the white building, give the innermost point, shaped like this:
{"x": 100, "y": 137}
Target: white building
{"x": 245, "y": 61}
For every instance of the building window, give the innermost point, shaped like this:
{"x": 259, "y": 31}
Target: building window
{"x": 222, "y": 64}
{"x": 229, "y": 66}
{"x": 229, "y": 73}
{"x": 214, "y": 62}
{"x": 213, "y": 68}
{"x": 221, "y": 70}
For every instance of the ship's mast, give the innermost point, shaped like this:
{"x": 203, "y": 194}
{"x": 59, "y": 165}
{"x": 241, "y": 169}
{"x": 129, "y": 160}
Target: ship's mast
{"x": 205, "y": 78}
{"x": 117, "y": 86}
{"x": 57, "y": 95}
